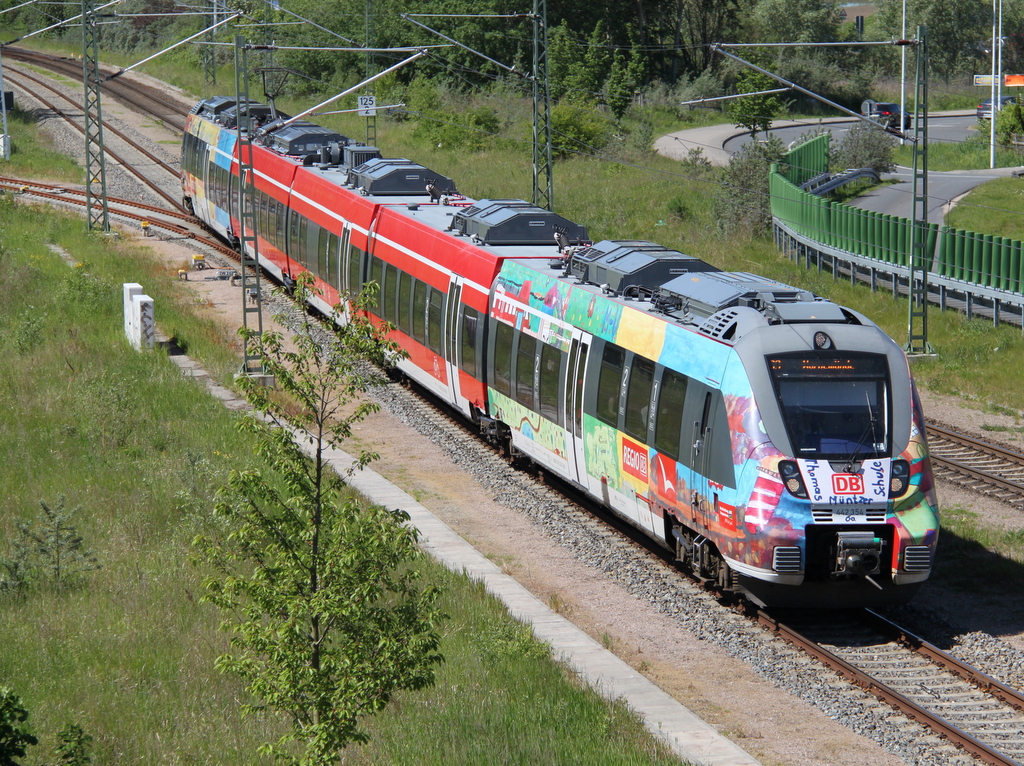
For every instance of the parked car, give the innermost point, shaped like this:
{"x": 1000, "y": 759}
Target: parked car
{"x": 985, "y": 107}
{"x": 887, "y": 113}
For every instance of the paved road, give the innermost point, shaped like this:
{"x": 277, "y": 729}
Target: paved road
{"x": 718, "y": 142}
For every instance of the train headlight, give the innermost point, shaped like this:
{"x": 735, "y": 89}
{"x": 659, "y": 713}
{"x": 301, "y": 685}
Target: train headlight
{"x": 791, "y": 477}
{"x": 822, "y": 341}
{"x": 899, "y": 478}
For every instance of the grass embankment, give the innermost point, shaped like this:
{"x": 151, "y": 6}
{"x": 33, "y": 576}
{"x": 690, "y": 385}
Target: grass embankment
{"x": 129, "y": 654}
{"x": 32, "y": 154}
{"x": 972, "y": 154}
{"x": 995, "y": 207}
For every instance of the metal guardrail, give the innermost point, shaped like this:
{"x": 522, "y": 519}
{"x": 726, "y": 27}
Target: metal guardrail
{"x": 945, "y": 292}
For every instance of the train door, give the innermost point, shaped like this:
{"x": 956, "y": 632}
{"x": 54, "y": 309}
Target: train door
{"x": 452, "y": 343}
{"x": 710, "y": 451}
{"x": 572, "y": 404}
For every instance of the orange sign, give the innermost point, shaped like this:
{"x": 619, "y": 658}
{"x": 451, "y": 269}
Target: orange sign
{"x": 1014, "y": 80}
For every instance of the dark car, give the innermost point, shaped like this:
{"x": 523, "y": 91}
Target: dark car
{"x": 985, "y": 107}
{"x": 887, "y": 113}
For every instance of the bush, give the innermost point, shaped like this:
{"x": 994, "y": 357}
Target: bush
{"x": 577, "y": 128}
{"x": 745, "y": 204}
{"x": 1010, "y": 124}
{"x": 864, "y": 146}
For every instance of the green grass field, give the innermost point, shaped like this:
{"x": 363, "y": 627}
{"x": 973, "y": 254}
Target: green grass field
{"x": 995, "y": 207}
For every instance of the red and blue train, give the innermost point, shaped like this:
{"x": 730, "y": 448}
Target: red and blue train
{"x": 771, "y": 439}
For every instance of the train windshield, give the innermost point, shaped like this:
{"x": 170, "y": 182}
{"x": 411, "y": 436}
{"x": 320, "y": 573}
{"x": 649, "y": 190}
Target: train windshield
{"x": 834, "y": 406}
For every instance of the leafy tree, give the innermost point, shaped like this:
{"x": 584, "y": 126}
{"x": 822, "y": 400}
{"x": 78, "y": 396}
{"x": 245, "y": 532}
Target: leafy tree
{"x": 624, "y": 79}
{"x": 327, "y": 616}
{"x": 14, "y": 735}
{"x": 797, "y": 21}
{"x": 695, "y": 24}
{"x": 955, "y": 28}
{"x": 755, "y": 112}
{"x": 577, "y": 128}
{"x": 745, "y": 205}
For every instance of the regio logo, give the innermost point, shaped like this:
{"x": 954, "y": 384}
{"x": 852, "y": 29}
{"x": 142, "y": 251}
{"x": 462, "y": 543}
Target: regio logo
{"x": 634, "y": 459}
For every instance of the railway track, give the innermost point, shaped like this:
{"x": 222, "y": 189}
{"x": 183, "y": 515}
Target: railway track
{"x": 136, "y": 168}
{"x": 977, "y": 465}
{"x": 125, "y": 89}
{"x": 175, "y": 222}
{"x": 968, "y": 709}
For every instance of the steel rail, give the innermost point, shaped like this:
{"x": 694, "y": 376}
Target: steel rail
{"x": 76, "y": 198}
{"x": 1015, "y": 459}
{"x": 14, "y": 76}
{"x": 865, "y": 681}
{"x": 957, "y": 667}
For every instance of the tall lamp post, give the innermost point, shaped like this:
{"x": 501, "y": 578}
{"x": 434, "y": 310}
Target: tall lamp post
{"x": 903, "y": 72}
{"x": 997, "y": 76}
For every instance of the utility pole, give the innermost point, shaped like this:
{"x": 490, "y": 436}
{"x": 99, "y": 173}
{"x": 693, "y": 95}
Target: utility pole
{"x": 209, "y": 50}
{"x": 371, "y": 113}
{"x": 917, "y": 292}
{"x": 252, "y": 293}
{"x": 95, "y": 162}
{"x": 5, "y": 138}
{"x": 543, "y": 178}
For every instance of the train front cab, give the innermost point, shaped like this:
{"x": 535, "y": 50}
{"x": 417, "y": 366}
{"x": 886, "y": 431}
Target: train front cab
{"x": 845, "y": 463}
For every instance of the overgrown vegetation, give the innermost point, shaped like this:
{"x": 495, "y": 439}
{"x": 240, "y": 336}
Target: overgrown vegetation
{"x": 128, "y": 654}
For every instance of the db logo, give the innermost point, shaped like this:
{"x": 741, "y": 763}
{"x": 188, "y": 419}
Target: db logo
{"x": 847, "y": 484}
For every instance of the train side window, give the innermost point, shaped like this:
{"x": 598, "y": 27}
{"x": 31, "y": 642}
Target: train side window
{"x": 280, "y": 215}
{"x": 470, "y": 324}
{"x": 526, "y": 362}
{"x": 550, "y": 375}
{"x": 333, "y": 274}
{"x": 307, "y": 255}
{"x": 405, "y": 303}
{"x": 390, "y": 292}
{"x": 668, "y": 426}
{"x": 355, "y": 271}
{"x": 638, "y": 397}
{"x": 322, "y": 249}
{"x": 419, "y": 311}
{"x": 293, "y": 236}
{"x": 435, "y": 320}
{"x": 260, "y": 202}
{"x": 608, "y": 384}
{"x": 377, "y": 275}
{"x": 721, "y": 469}
{"x": 502, "y": 378}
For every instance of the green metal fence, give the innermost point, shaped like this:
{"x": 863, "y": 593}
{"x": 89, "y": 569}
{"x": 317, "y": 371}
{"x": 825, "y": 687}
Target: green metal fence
{"x": 981, "y": 259}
